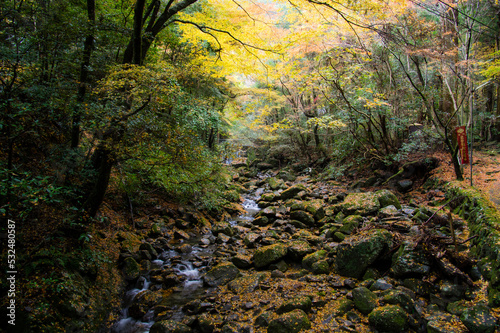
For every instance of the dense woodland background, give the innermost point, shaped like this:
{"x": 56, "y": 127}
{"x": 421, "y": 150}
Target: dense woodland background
{"x": 152, "y": 96}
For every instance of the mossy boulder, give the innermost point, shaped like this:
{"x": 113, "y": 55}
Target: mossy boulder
{"x": 315, "y": 208}
{"x": 131, "y": 269}
{"x": 339, "y": 307}
{"x": 292, "y": 191}
{"x": 266, "y": 255}
{"x": 478, "y": 319}
{"x": 298, "y": 249}
{"x": 275, "y": 183}
{"x": 359, "y": 251}
{"x": 364, "y": 299}
{"x": 221, "y": 274}
{"x": 389, "y": 319}
{"x": 359, "y": 203}
{"x": 302, "y": 216}
{"x": 387, "y": 198}
{"x": 408, "y": 261}
{"x": 290, "y": 322}
{"x": 309, "y": 260}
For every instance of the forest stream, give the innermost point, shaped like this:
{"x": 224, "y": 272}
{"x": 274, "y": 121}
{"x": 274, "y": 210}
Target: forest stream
{"x": 313, "y": 257}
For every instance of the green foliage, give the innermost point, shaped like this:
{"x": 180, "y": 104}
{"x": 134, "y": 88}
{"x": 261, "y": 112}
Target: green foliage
{"x": 418, "y": 142}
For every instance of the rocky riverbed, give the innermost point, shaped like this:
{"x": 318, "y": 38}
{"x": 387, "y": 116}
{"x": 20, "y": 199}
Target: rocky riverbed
{"x": 308, "y": 256}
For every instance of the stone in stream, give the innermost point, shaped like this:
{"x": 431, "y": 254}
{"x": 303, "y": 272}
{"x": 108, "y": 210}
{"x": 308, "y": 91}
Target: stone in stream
{"x": 144, "y": 301}
{"x": 389, "y": 319}
{"x": 131, "y": 269}
{"x": 221, "y": 274}
{"x": 290, "y": 322}
{"x": 266, "y": 255}
{"x": 359, "y": 251}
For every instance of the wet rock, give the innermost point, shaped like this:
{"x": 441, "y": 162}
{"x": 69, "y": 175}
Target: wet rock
{"x": 221, "y": 274}
{"x": 359, "y": 251}
{"x": 144, "y": 301}
{"x": 261, "y": 221}
{"x": 290, "y": 322}
{"x": 478, "y": 319}
{"x": 206, "y": 324}
{"x": 131, "y": 269}
{"x": 169, "y": 326}
{"x": 359, "y": 204}
{"x": 380, "y": 284}
{"x": 266, "y": 255}
{"x": 303, "y": 303}
{"x": 184, "y": 248}
{"x": 364, "y": 300}
{"x": 389, "y": 318}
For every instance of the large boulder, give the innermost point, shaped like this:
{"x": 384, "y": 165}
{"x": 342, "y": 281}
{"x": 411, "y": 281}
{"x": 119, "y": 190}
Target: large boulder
{"x": 292, "y": 191}
{"x": 359, "y": 203}
{"x": 144, "y": 301}
{"x": 387, "y": 198}
{"x": 297, "y": 249}
{"x": 409, "y": 262}
{"x": 364, "y": 300}
{"x": 389, "y": 319}
{"x": 290, "y": 322}
{"x": 302, "y": 216}
{"x": 266, "y": 255}
{"x": 221, "y": 274}
{"x": 359, "y": 251}
{"x": 131, "y": 269}
{"x": 478, "y": 319}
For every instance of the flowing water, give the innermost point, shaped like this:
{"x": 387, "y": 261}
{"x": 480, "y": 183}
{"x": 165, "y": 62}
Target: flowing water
{"x": 190, "y": 266}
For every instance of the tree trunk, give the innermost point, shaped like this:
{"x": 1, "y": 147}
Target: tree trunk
{"x": 84, "y": 74}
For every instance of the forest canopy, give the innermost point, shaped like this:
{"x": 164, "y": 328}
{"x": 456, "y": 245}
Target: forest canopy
{"x": 158, "y": 93}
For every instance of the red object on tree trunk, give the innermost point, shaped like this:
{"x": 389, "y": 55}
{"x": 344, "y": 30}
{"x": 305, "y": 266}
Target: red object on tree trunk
{"x": 462, "y": 144}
